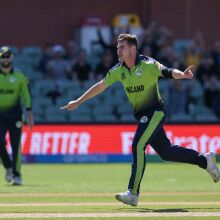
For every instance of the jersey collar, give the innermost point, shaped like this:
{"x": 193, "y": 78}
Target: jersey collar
{"x": 11, "y": 71}
{"x": 137, "y": 61}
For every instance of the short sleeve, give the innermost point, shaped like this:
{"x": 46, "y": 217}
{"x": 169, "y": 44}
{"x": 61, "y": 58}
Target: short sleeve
{"x": 111, "y": 78}
{"x": 157, "y": 68}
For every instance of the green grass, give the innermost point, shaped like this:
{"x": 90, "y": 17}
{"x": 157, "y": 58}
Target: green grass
{"x": 166, "y": 188}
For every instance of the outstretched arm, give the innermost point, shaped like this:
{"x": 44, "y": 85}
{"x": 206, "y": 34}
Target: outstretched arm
{"x": 91, "y": 92}
{"x": 187, "y": 74}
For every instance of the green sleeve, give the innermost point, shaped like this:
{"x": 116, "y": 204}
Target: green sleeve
{"x": 25, "y": 93}
{"x": 111, "y": 77}
{"x": 157, "y": 68}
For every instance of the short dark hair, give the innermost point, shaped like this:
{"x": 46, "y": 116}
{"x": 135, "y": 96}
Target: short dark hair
{"x": 131, "y": 39}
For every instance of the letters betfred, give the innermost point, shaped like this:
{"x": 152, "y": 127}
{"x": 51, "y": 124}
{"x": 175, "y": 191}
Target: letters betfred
{"x": 97, "y": 139}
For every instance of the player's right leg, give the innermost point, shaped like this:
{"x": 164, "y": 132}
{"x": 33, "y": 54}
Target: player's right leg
{"x": 147, "y": 127}
{"x": 6, "y": 161}
{"x": 212, "y": 168}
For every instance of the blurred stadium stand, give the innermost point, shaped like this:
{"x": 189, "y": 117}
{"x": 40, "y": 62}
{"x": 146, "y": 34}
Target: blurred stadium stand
{"x": 112, "y": 106}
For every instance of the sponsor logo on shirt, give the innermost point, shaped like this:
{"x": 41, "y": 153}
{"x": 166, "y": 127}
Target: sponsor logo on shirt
{"x": 134, "y": 89}
{"x": 144, "y": 119}
{"x": 6, "y": 91}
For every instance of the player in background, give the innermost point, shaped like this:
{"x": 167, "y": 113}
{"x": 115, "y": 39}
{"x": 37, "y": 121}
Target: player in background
{"x": 14, "y": 92}
{"x": 139, "y": 76}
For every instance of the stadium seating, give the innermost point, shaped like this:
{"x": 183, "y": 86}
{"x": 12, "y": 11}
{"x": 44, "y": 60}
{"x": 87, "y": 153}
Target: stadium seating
{"x": 39, "y": 118}
{"x": 32, "y": 51}
{"x": 44, "y": 86}
{"x": 92, "y": 103}
{"x": 179, "y": 47}
{"x": 53, "y": 114}
{"x": 42, "y": 102}
{"x": 73, "y": 118}
{"x": 15, "y": 50}
{"x": 102, "y": 110}
{"x": 124, "y": 108}
{"x": 195, "y": 110}
{"x": 181, "y": 118}
{"x": 128, "y": 118}
{"x": 106, "y": 118}
{"x": 206, "y": 118}
{"x": 163, "y": 84}
{"x": 111, "y": 105}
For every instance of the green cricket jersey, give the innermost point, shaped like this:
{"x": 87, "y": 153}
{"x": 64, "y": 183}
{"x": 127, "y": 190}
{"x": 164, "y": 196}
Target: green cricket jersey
{"x": 14, "y": 90}
{"x": 140, "y": 83}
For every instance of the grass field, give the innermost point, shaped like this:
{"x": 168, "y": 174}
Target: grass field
{"x": 86, "y": 191}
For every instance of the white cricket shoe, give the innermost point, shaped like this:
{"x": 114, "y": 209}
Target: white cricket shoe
{"x": 17, "y": 181}
{"x": 8, "y": 175}
{"x": 127, "y": 198}
{"x": 212, "y": 168}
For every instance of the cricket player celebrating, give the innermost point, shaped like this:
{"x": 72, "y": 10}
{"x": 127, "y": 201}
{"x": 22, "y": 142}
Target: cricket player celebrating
{"x": 139, "y": 76}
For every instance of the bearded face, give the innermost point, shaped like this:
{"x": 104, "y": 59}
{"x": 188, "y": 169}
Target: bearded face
{"x": 6, "y": 61}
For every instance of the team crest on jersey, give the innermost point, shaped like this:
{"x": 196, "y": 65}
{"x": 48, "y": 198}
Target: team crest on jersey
{"x": 123, "y": 77}
{"x": 12, "y": 79}
{"x": 138, "y": 72}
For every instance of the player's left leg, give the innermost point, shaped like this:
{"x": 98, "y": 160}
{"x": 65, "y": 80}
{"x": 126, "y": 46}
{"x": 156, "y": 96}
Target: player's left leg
{"x": 176, "y": 153}
{"x": 15, "y": 131}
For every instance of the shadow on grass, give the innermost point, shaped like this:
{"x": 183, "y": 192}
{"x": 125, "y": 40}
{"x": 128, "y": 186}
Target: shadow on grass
{"x": 28, "y": 186}
{"x": 156, "y": 210}
{"x": 207, "y": 208}
{"x": 168, "y": 210}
